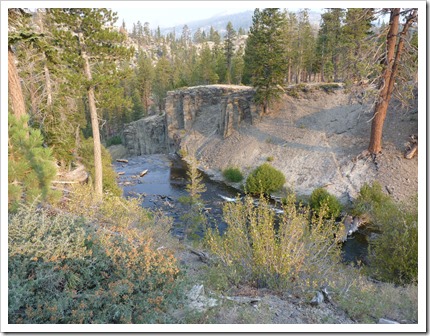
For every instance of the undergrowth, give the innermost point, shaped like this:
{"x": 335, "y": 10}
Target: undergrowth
{"x": 109, "y": 262}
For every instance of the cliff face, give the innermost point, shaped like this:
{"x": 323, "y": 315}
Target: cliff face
{"x": 146, "y": 136}
{"x": 208, "y": 111}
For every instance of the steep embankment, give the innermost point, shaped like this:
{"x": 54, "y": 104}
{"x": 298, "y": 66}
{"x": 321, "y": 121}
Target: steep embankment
{"x": 313, "y": 138}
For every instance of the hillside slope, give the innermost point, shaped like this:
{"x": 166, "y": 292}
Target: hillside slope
{"x": 314, "y": 140}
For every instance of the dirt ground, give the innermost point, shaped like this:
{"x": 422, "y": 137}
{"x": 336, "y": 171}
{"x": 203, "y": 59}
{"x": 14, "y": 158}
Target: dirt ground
{"x": 315, "y": 139}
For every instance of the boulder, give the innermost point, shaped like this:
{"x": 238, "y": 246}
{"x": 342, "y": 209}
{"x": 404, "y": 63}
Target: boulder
{"x": 198, "y": 300}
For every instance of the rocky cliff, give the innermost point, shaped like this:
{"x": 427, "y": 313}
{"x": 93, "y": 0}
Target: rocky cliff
{"x": 207, "y": 111}
{"x": 212, "y": 110}
{"x": 146, "y": 136}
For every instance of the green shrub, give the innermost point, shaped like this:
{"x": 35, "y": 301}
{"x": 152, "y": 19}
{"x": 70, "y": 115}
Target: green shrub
{"x": 393, "y": 254}
{"x": 86, "y": 151}
{"x": 264, "y": 180}
{"x": 115, "y": 140}
{"x": 232, "y": 174}
{"x": 270, "y": 159}
{"x": 31, "y": 167}
{"x": 330, "y": 88}
{"x": 63, "y": 269}
{"x": 370, "y": 199}
{"x": 320, "y": 197}
{"x": 296, "y": 253}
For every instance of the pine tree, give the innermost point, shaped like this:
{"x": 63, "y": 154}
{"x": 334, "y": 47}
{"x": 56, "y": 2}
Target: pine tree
{"x": 144, "y": 78}
{"x": 358, "y": 45}
{"x": 329, "y": 43}
{"x": 237, "y": 67}
{"x": 395, "y": 48}
{"x": 162, "y": 82}
{"x": 31, "y": 167}
{"x": 229, "y": 39}
{"x": 265, "y": 55}
{"x": 92, "y": 49}
{"x": 206, "y": 67}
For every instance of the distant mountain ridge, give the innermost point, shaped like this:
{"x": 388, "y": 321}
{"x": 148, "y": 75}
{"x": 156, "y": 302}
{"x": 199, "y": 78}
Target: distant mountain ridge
{"x": 220, "y": 21}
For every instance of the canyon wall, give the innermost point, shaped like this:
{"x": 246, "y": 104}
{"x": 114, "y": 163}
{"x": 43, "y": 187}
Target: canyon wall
{"x": 207, "y": 111}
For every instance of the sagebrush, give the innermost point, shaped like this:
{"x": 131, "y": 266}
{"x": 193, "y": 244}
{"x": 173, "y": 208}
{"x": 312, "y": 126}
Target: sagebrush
{"x": 110, "y": 262}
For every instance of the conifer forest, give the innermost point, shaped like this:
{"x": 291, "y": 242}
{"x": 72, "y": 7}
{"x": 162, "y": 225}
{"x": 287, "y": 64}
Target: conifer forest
{"x": 252, "y": 173}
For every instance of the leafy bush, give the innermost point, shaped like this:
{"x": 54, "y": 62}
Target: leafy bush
{"x": 370, "y": 199}
{"x": 264, "y": 180}
{"x": 115, "y": 140}
{"x": 31, "y": 167}
{"x": 63, "y": 269}
{"x": 393, "y": 255}
{"x": 296, "y": 253}
{"x": 233, "y": 174}
{"x": 320, "y": 197}
{"x": 86, "y": 151}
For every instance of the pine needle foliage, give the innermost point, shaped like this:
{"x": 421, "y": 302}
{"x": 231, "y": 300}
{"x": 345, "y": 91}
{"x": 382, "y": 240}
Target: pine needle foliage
{"x": 265, "y": 55}
{"x": 31, "y": 167}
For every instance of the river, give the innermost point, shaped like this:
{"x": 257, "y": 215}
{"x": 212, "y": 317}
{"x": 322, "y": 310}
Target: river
{"x": 165, "y": 181}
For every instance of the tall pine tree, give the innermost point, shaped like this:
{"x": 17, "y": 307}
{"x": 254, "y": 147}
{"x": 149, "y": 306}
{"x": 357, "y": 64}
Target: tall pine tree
{"x": 92, "y": 48}
{"x": 265, "y": 55}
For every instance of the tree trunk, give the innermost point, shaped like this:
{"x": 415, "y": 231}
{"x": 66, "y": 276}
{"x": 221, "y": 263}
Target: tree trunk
{"x": 48, "y": 85}
{"x": 98, "y": 171}
{"x": 388, "y": 78}
{"x": 14, "y": 87}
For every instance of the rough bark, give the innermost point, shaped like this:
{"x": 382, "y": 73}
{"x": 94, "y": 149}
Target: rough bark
{"x": 14, "y": 87}
{"x": 388, "y": 77}
{"x": 98, "y": 171}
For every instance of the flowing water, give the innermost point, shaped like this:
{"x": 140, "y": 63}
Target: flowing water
{"x": 165, "y": 181}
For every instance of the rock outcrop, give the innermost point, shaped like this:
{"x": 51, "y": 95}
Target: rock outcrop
{"x": 211, "y": 110}
{"x": 208, "y": 110}
{"x": 146, "y": 136}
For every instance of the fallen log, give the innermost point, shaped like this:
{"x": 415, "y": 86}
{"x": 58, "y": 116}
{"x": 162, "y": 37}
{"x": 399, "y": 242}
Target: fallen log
{"x": 122, "y": 160}
{"x": 121, "y": 173}
{"x": 204, "y": 257}
{"x": 78, "y": 175}
{"x": 144, "y": 173}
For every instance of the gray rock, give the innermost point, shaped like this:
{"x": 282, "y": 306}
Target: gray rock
{"x": 317, "y": 299}
{"x": 386, "y": 321}
{"x": 146, "y": 136}
{"x": 206, "y": 110}
{"x": 198, "y": 300}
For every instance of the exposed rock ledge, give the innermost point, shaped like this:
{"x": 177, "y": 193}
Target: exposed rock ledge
{"x": 206, "y": 110}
